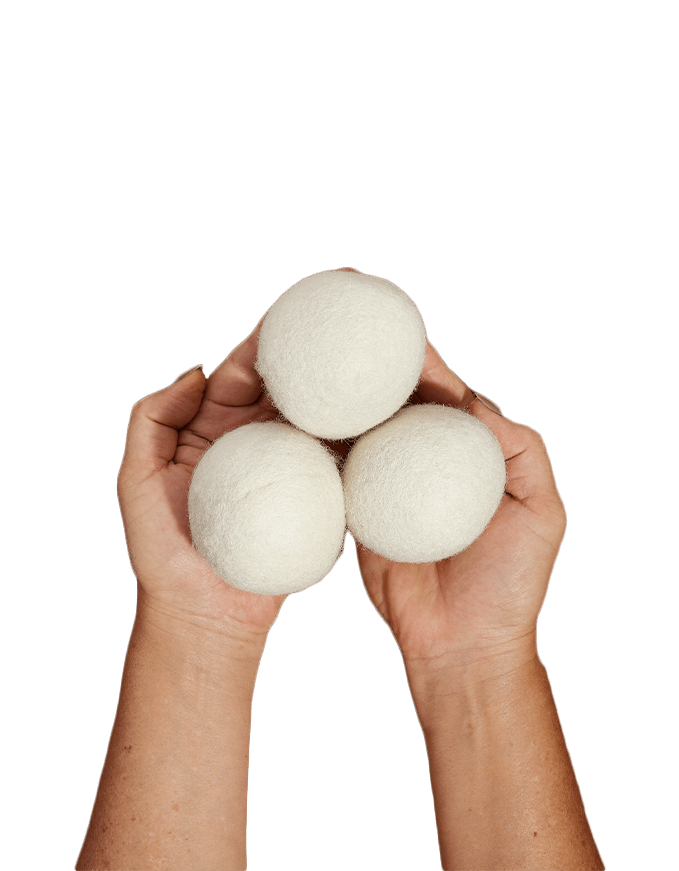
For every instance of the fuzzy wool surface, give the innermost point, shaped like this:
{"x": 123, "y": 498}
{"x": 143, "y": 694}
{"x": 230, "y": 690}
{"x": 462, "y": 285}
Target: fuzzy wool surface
{"x": 340, "y": 352}
{"x": 424, "y": 485}
{"x": 266, "y": 508}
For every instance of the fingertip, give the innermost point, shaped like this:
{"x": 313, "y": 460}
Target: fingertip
{"x": 156, "y": 419}
{"x": 189, "y": 372}
{"x": 256, "y": 330}
{"x": 481, "y": 411}
{"x": 439, "y": 384}
{"x": 490, "y": 405}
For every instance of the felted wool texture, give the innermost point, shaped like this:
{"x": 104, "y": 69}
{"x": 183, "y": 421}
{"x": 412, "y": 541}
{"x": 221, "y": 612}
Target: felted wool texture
{"x": 266, "y": 508}
{"x": 339, "y": 352}
{"x": 424, "y": 485}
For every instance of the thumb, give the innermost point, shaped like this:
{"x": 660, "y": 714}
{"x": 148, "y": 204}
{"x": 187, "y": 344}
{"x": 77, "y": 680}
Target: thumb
{"x": 155, "y": 423}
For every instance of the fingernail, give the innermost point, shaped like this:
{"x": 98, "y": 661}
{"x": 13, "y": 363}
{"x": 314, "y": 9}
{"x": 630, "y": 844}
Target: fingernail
{"x": 188, "y": 372}
{"x": 488, "y": 403}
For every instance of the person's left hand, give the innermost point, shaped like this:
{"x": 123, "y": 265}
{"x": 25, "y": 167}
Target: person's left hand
{"x": 168, "y": 433}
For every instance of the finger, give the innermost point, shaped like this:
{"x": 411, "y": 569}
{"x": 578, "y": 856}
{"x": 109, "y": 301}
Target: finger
{"x": 155, "y": 422}
{"x": 440, "y": 384}
{"x": 530, "y": 478}
{"x": 529, "y": 471}
{"x": 236, "y": 381}
{"x": 487, "y": 402}
{"x": 234, "y": 396}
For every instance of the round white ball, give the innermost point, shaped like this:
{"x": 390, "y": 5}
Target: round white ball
{"x": 424, "y": 485}
{"x": 339, "y": 352}
{"x": 266, "y": 508}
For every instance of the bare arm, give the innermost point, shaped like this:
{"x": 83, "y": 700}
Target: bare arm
{"x": 173, "y": 792}
{"x": 504, "y": 789}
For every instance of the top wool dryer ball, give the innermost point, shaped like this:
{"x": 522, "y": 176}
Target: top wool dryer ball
{"x": 424, "y": 485}
{"x": 339, "y": 352}
{"x": 266, "y": 508}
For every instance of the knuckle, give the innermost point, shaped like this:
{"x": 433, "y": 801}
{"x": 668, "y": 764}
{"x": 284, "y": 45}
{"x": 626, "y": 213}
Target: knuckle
{"x": 139, "y": 407}
{"x": 532, "y": 437}
{"x": 563, "y": 522}
{"x": 122, "y": 481}
{"x": 537, "y": 438}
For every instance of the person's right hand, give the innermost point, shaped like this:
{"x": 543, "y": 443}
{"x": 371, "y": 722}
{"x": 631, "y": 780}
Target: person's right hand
{"x": 168, "y": 433}
{"x": 484, "y": 602}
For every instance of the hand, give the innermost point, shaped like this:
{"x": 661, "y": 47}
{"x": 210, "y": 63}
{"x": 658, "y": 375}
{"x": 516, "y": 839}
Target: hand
{"x": 168, "y": 433}
{"x": 486, "y": 599}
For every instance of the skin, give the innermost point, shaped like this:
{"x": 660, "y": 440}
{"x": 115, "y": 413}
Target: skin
{"x": 168, "y": 433}
{"x": 505, "y": 793}
{"x": 492, "y": 593}
{"x": 173, "y": 791}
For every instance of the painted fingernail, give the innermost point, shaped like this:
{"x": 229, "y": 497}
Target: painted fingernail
{"x": 188, "y": 372}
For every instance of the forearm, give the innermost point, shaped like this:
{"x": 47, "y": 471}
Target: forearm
{"x": 173, "y": 791}
{"x": 504, "y": 789}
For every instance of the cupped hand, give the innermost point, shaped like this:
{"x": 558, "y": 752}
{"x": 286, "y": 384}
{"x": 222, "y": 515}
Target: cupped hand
{"x": 167, "y": 435}
{"x": 487, "y": 598}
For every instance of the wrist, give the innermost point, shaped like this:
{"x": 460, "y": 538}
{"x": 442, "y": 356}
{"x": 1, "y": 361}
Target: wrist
{"x": 488, "y": 672}
{"x": 212, "y": 651}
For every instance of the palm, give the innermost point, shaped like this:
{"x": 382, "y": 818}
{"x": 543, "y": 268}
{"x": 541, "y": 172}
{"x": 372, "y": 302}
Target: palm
{"x": 478, "y": 595}
{"x": 493, "y": 590}
{"x": 154, "y": 483}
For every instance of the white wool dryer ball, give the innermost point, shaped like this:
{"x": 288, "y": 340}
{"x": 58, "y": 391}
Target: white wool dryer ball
{"x": 266, "y": 508}
{"x": 339, "y": 352}
{"x": 422, "y": 486}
